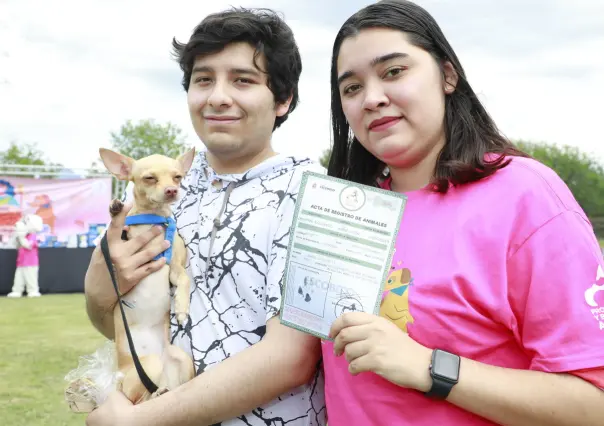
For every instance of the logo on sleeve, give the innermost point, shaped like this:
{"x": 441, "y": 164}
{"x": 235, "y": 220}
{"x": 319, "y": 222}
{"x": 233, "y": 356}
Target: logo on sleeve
{"x": 590, "y": 297}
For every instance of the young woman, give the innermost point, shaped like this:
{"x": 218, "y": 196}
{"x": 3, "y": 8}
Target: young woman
{"x": 497, "y": 315}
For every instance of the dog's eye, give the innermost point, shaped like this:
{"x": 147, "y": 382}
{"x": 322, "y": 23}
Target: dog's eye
{"x": 150, "y": 179}
{"x": 179, "y": 177}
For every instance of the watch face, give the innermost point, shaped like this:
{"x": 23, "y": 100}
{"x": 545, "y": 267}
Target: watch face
{"x": 446, "y": 365}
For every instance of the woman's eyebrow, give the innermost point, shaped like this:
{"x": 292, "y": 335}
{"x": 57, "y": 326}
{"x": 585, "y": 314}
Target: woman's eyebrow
{"x": 374, "y": 62}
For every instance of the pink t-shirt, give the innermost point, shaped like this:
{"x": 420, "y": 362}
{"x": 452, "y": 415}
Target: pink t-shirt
{"x": 505, "y": 271}
{"x": 29, "y": 257}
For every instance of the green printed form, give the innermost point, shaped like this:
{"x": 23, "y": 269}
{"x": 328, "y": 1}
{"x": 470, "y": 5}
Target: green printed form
{"x": 339, "y": 253}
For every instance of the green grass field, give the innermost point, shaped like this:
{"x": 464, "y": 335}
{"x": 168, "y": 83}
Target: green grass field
{"x": 40, "y": 342}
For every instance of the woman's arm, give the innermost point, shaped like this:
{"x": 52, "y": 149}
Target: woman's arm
{"x": 502, "y": 395}
{"x": 523, "y": 397}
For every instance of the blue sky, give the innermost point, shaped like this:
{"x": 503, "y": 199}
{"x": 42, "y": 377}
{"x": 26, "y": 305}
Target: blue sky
{"x": 73, "y": 71}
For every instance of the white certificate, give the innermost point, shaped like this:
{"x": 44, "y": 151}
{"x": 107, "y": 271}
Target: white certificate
{"x": 339, "y": 253}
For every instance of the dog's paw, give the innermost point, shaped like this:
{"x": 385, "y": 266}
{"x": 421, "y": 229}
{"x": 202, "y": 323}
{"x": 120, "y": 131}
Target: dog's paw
{"x": 116, "y": 207}
{"x": 182, "y": 318}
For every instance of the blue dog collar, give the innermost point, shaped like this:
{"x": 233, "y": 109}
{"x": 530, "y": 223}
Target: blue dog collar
{"x": 153, "y": 219}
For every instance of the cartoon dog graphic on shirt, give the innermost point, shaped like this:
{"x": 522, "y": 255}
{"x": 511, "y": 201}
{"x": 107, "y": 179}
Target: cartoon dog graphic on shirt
{"x": 395, "y": 305}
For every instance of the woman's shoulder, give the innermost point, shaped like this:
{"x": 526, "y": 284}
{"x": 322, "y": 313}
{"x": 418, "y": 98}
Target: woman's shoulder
{"x": 529, "y": 183}
{"x": 531, "y": 170}
{"x": 519, "y": 198}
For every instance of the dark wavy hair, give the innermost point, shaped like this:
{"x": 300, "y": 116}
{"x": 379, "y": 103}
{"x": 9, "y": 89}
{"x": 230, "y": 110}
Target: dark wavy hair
{"x": 265, "y": 31}
{"x": 469, "y": 130}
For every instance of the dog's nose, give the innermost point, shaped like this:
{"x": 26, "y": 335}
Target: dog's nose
{"x": 171, "y": 191}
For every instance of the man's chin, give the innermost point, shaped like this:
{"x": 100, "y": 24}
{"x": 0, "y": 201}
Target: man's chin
{"x": 222, "y": 143}
{"x": 224, "y": 149}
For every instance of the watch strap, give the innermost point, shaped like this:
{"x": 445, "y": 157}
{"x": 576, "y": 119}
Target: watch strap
{"x": 440, "y": 388}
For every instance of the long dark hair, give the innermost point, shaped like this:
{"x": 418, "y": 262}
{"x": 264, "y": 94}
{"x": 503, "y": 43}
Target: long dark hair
{"x": 469, "y": 130}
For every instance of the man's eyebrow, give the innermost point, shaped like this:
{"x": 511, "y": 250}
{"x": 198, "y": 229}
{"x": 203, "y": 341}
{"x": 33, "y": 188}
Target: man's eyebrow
{"x": 200, "y": 69}
{"x": 249, "y": 71}
{"x": 374, "y": 62}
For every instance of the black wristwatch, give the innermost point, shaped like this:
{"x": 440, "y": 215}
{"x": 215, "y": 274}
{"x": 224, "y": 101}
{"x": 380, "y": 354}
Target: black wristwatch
{"x": 444, "y": 370}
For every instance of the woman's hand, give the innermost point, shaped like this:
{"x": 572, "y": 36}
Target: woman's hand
{"x": 372, "y": 343}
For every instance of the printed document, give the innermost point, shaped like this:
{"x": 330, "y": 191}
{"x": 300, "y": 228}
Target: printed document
{"x": 339, "y": 253}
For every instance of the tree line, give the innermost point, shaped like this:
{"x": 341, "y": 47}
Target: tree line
{"x": 583, "y": 174}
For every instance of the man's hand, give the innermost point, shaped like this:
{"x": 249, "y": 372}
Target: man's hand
{"x": 133, "y": 259}
{"x": 281, "y": 362}
{"x": 117, "y": 410}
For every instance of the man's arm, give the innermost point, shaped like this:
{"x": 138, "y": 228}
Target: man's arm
{"x": 100, "y": 295}
{"x": 283, "y": 360}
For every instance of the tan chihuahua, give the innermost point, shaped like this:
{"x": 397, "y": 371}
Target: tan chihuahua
{"x": 156, "y": 180}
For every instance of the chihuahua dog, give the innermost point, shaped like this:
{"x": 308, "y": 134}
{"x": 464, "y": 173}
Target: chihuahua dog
{"x": 156, "y": 180}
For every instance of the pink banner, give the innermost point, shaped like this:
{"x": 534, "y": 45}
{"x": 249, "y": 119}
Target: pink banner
{"x": 69, "y": 208}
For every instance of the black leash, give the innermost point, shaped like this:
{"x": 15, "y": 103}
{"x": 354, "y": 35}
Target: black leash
{"x": 151, "y": 387}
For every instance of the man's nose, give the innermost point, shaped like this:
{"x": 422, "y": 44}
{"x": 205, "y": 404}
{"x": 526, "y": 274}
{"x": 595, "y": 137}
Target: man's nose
{"x": 219, "y": 96}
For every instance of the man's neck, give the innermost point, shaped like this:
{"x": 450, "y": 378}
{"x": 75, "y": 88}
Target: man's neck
{"x": 238, "y": 165}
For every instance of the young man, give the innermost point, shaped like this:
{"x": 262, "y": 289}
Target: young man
{"x": 241, "y": 71}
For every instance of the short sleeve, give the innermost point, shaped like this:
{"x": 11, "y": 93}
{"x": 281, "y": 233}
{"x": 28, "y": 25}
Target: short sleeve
{"x": 280, "y": 241}
{"x": 556, "y": 289}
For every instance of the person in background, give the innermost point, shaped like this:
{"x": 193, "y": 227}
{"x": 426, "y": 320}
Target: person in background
{"x": 28, "y": 259}
{"x": 499, "y": 315}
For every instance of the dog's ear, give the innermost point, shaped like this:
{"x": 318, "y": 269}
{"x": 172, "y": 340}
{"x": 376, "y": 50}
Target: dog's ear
{"x": 117, "y": 164}
{"x": 186, "y": 160}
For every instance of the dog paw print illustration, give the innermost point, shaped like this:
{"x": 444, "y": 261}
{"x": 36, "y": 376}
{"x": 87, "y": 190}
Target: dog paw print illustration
{"x": 311, "y": 295}
{"x": 395, "y": 305}
{"x": 590, "y": 297}
{"x": 302, "y": 293}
